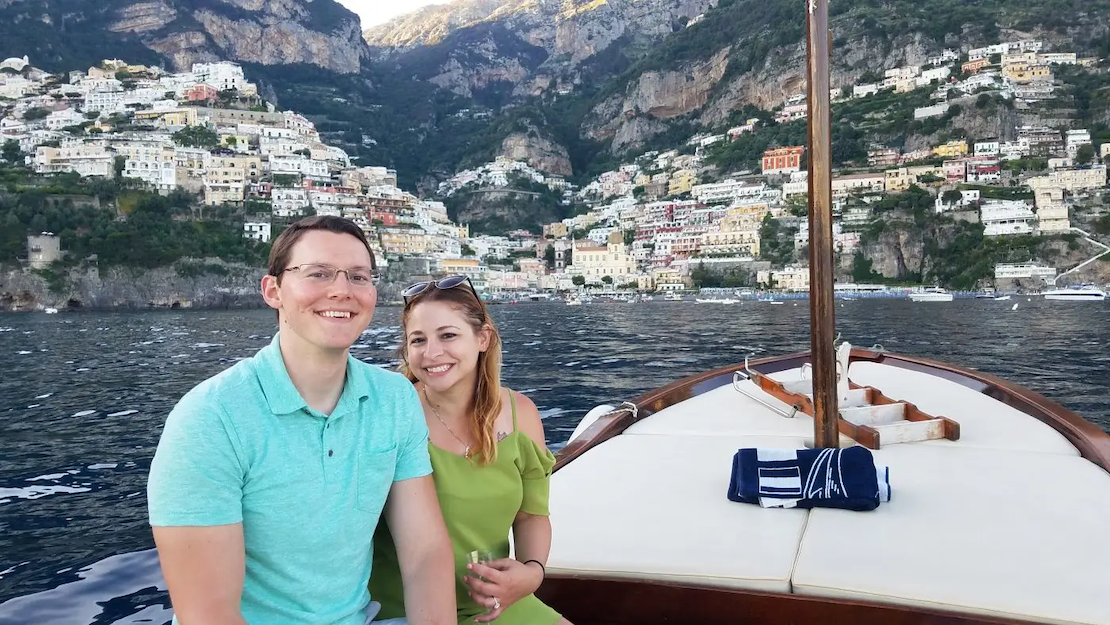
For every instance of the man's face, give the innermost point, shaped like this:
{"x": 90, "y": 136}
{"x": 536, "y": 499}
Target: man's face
{"x": 327, "y": 316}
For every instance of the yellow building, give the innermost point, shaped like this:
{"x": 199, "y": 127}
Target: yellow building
{"x": 898, "y": 179}
{"x": 667, "y": 279}
{"x": 731, "y": 242}
{"x": 682, "y": 181}
{"x": 226, "y": 178}
{"x": 1024, "y": 73}
{"x": 951, "y": 149}
{"x": 641, "y": 180}
{"x": 791, "y": 278}
{"x": 172, "y": 117}
{"x": 405, "y": 241}
{"x": 595, "y": 262}
{"x": 557, "y": 230}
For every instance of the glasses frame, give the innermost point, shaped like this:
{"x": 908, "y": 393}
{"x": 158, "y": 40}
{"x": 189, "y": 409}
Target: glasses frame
{"x": 375, "y": 275}
{"x": 417, "y": 289}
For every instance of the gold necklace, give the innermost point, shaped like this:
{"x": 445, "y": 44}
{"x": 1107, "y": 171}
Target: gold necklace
{"x": 466, "y": 448}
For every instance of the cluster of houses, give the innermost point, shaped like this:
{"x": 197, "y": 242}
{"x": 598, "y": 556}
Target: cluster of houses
{"x": 652, "y": 221}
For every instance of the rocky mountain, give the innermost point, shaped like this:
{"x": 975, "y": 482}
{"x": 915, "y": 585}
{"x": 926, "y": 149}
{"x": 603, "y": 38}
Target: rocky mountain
{"x": 63, "y": 34}
{"x": 565, "y": 36}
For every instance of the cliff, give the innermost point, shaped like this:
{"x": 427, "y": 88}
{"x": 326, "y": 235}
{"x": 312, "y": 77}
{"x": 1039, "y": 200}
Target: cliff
{"x": 59, "y": 36}
{"x": 163, "y": 287}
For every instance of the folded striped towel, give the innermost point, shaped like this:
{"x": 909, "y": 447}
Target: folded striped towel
{"x": 809, "y": 478}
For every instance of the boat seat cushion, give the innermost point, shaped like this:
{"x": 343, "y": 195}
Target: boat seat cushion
{"x": 1039, "y": 552}
{"x": 656, "y": 506}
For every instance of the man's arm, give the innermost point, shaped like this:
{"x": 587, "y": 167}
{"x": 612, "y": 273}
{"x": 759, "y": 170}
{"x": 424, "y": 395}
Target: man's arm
{"x": 204, "y": 568}
{"x": 423, "y": 551}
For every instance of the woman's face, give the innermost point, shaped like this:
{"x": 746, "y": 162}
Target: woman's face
{"x": 441, "y": 346}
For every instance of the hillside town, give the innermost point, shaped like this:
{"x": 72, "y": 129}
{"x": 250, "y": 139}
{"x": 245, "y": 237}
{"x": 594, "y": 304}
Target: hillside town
{"x": 646, "y": 225}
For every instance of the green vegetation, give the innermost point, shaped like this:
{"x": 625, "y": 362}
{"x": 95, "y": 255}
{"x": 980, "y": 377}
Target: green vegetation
{"x": 196, "y": 137}
{"x": 704, "y": 278}
{"x": 157, "y": 230}
{"x": 776, "y": 242}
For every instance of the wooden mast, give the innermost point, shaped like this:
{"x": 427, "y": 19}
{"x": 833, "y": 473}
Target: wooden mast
{"x": 822, "y": 305}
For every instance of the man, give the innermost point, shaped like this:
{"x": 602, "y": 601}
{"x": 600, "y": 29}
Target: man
{"x": 270, "y": 477}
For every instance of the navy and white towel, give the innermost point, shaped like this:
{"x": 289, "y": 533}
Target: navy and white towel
{"x": 809, "y": 478}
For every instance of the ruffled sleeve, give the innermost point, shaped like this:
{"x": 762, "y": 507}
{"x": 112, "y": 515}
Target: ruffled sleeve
{"x": 535, "y": 471}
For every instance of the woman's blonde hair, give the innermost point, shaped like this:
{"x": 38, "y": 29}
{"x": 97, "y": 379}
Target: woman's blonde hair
{"x": 486, "y": 402}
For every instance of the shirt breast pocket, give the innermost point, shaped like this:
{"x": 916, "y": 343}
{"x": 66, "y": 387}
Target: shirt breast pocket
{"x": 376, "y": 469}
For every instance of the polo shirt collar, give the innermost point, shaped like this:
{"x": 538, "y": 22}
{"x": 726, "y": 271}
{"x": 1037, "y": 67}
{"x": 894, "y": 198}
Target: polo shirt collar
{"x": 284, "y": 398}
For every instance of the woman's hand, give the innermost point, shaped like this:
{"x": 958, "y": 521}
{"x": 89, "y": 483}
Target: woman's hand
{"x": 506, "y": 582}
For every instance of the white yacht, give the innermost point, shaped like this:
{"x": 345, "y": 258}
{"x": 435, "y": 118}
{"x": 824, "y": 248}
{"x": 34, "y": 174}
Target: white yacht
{"x": 724, "y": 300}
{"x": 1076, "y": 294}
{"x": 931, "y": 294}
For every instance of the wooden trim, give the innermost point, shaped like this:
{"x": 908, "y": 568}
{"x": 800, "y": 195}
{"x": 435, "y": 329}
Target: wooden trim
{"x": 593, "y": 601}
{"x": 1091, "y": 441}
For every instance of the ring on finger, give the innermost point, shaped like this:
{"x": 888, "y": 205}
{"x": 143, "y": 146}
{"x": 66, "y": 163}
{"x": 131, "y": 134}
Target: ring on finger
{"x": 496, "y": 604}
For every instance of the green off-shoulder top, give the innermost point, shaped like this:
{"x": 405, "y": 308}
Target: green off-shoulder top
{"x": 479, "y": 505}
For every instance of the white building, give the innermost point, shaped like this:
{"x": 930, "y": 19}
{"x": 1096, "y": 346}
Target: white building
{"x": 1017, "y": 271}
{"x": 221, "y": 75}
{"x": 1003, "y": 217}
{"x": 289, "y": 201}
{"x": 86, "y": 160}
{"x": 931, "y": 111}
{"x": 1076, "y": 139}
{"x": 987, "y": 148}
{"x": 258, "y": 230}
{"x": 725, "y": 191}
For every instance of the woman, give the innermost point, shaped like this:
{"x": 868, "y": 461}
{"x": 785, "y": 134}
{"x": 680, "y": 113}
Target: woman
{"x": 490, "y": 462}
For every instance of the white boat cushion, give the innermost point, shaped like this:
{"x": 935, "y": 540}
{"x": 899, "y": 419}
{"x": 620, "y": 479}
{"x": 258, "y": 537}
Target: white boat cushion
{"x": 655, "y": 507}
{"x": 1013, "y": 534}
{"x": 726, "y": 412}
{"x": 984, "y": 422}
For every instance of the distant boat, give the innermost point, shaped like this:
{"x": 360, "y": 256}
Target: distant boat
{"x": 574, "y": 301}
{"x": 672, "y": 297}
{"x": 931, "y": 294}
{"x": 1076, "y": 294}
{"x": 1002, "y": 298}
{"x": 726, "y": 300}
{"x": 51, "y": 311}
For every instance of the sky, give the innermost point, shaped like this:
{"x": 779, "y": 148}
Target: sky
{"x": 374, "y": 12}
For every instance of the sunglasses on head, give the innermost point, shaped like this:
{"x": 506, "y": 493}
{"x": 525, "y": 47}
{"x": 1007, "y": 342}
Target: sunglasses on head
{"x": 449, "y": 282}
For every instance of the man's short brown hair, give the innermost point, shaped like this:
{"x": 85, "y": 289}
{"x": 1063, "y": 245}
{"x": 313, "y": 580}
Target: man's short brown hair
{"x": 282, "y": 249}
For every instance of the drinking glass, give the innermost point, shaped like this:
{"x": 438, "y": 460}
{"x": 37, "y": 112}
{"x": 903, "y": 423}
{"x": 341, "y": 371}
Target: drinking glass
{"x": 480, "y": 556}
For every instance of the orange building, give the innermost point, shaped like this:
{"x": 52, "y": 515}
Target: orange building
{"x": 783, "y": 160}
{"x": 200, "y": 92}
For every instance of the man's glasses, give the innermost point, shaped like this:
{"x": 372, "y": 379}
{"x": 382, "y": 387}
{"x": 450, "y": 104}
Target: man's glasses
{"x": 449, "y": 282}
{"x": 358, "y": 277}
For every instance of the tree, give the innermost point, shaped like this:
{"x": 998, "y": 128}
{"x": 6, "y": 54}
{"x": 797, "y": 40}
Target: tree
{"x": 952, "y": 196}
{"x": 629, "y": 236}
{"x": 607, "y": 279}
{"x": 196, "y": 137}
{"x": 119, "y": 163}
{"x": 231, "y": 141}
{"x": 578, "y": 280}
{"x": 11, "y": 152}
{"x": 35, "y": 113}
{"x": 549, "y": 257}
{"x": 1085, "y": 155}
{"x": 467, "y": 250}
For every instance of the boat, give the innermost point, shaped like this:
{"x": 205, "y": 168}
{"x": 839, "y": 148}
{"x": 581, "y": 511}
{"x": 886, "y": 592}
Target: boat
{"x": 672, "y": 297}
{"x": 712, "y": 300}
{"x": 931, "y": 294}
{"x": 999, "y": 496}
{"x": 50, "y": 311}
{"x": 1085, "y": 293}
{"x": 643, "y": 531}
{"x": 573, "y": 301}
{"x": 1002, "y": 298}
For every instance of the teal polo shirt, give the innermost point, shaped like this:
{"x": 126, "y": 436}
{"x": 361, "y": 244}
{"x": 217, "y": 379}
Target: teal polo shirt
{"x": 308, "y": 487}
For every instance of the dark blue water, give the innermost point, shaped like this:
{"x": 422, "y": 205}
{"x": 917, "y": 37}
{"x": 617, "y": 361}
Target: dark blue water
{"x": 83, "y": 398}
